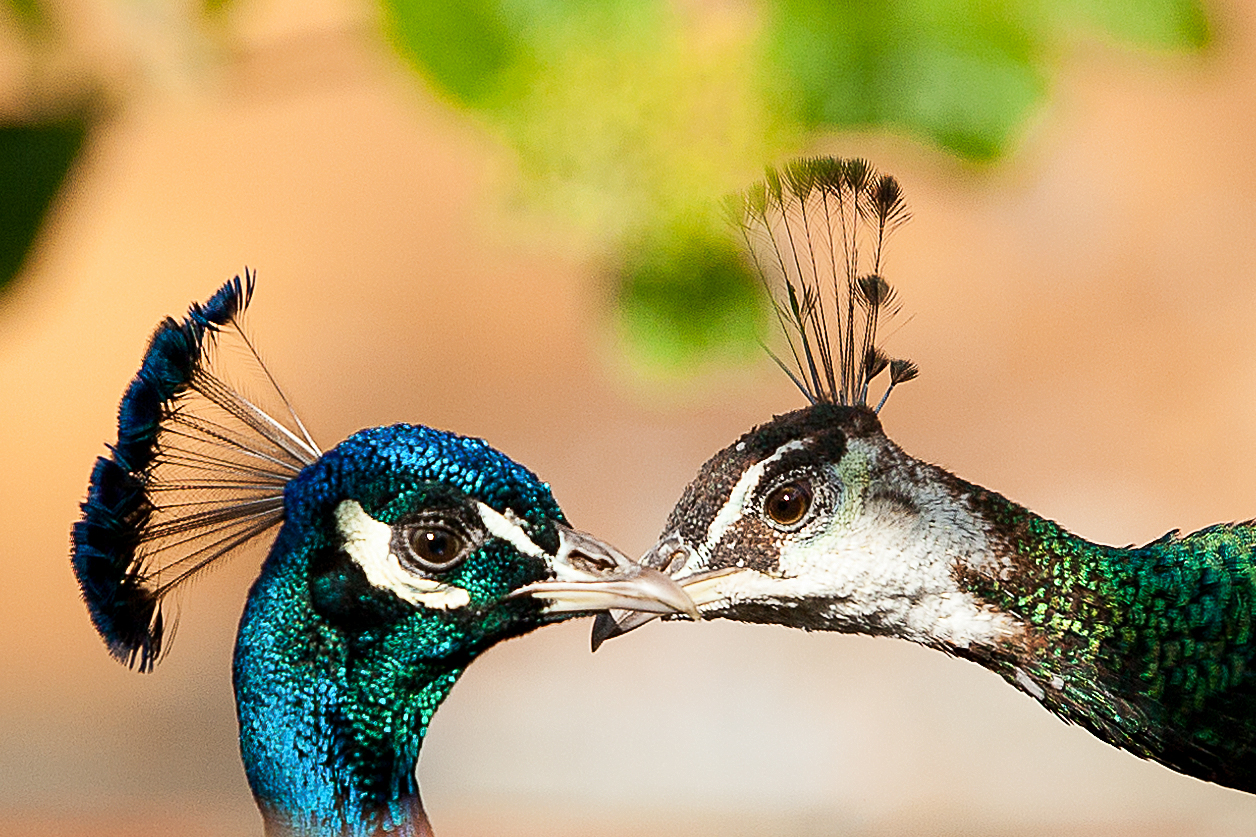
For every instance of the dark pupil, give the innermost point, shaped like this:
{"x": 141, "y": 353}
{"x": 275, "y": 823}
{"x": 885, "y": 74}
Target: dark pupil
{"x": 435, "y": 546}
{"x": 787, "y": 504}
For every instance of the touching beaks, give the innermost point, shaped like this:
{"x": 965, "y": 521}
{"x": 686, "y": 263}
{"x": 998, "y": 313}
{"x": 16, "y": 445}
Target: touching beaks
{"x": 670, "y": 555}
{"x": 591, "y": 575}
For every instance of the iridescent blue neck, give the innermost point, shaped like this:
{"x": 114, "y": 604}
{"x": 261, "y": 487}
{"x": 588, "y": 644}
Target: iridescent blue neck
{"x": 330, "y": 731}
{"x": 336, "y": 677}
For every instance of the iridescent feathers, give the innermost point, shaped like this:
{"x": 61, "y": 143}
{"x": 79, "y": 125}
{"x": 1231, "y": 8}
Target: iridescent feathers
{"x": 198, "y": 470}
{"x": 816, "y": 231}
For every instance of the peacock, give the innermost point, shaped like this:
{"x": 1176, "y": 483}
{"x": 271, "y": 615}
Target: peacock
{"x": 401, "y": 554}
{"x": 818, "y": 520}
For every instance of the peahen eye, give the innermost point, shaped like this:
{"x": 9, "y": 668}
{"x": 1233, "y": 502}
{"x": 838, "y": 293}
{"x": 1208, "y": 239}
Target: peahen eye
{"x": 788, "y": 503}
{"x": 436, "y": 548}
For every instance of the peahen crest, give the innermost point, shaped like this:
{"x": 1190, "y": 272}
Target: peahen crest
{"x": 198, "y": 470}
{"x": 816, "y": 231}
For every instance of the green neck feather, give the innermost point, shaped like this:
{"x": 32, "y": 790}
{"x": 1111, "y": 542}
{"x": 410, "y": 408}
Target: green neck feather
{"x": 1151, "y": 648}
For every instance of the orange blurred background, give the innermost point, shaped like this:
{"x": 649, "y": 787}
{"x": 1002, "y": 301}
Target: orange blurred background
{"x": 1083, "y": 316}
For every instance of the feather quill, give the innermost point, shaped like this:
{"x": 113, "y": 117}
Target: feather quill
{"x": 197, "y": 472}
{"x": 811, "y": 228}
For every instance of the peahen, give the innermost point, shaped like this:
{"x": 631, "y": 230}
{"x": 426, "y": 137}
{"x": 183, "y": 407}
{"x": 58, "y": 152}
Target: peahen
{"x": 817, "y": 520}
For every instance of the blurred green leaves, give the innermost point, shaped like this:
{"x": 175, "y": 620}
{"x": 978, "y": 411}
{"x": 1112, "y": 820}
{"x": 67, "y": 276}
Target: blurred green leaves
{"x": 621, "y": 111}
{"x": 37, "y": 150}
{"x": 466, "y": 49}
{"x": 684, "y": 292}
{"x": 34, "y": 161}
{"x": 1158, "y": 24}
{"x": 961, "y": 75}
{"x": 636, "y": 116}
{"x": 632, "y": 118}
{"x": 28, "y": 14}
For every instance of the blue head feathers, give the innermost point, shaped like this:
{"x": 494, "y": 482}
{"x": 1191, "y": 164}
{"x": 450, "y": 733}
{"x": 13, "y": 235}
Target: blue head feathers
{"x": 394, "y": 568}
{"x": 403, "y": 553}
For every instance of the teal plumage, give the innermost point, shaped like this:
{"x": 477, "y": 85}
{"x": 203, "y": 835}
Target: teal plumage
{"x": 402, "y": 554}
{"x": 1158, "y": 637}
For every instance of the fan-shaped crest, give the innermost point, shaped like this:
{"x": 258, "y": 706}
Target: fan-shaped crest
{"x": 816, "y": 231}
{"x": 198, "y": 470}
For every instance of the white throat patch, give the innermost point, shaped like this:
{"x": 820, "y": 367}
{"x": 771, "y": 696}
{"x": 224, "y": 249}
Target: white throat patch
{"x": 872, "y": 566}
{"x": 369, "y": 543}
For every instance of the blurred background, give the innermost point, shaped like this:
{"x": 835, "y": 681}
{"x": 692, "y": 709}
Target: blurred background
{"x": 496, "y": 218}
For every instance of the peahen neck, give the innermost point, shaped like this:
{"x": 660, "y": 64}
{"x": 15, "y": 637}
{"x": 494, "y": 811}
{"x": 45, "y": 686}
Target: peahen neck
{"x": 331, "y": 723}
{"x": 1144, "y": 646}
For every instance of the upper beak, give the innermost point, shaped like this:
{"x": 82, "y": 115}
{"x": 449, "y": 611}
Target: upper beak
{"x": 670, "y": 555}
{"x": 591, "y": 575}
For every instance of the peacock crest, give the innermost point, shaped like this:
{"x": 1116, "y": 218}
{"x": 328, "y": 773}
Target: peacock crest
{"x": 816, "y": 231}
{"x": 198, "y": 471}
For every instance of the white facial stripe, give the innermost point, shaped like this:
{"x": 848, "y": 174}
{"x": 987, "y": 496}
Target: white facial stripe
{"x": 733, "y": 507}
{"x": 500, "y": 526}
{"x": 873, "y": 564}
{"x": 369, "y": 543}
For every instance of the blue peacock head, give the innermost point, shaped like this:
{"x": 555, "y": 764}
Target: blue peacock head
{"x": 402, "y": 553}
{"x": 407, "y": 523}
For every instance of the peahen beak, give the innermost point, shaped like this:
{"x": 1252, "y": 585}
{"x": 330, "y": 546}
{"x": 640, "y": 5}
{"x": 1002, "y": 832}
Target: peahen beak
{"x": 591, "y": 575}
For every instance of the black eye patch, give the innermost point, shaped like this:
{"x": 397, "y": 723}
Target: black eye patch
{"x": 341, "y": 593}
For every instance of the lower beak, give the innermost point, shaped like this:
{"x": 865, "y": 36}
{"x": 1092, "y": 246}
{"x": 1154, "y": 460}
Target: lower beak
{"x": 591, "y": 575}
{"x": 669, "y": 555}
{"x": 615, "y": 623}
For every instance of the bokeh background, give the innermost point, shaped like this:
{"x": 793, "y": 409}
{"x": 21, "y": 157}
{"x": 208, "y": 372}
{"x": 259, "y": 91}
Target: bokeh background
{"x": 1081, "y": 302}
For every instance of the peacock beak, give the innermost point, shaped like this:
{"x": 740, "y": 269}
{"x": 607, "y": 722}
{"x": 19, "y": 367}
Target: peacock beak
{"x": 670, "y": 556}
{"x": 591, "y": 575}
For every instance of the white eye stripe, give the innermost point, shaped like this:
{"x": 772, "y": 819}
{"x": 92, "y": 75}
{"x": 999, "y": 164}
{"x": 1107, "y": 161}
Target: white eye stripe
{"x": 745, "y": 487}
{"x": 368, "y": 543}
{"x": 501, "y": 526}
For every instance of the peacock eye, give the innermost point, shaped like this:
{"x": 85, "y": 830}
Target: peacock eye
{"x": 788, "y": 504}
{"x": 435, "y": 548}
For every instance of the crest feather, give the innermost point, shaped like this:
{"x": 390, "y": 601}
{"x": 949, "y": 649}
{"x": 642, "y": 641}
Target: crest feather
{"x": 197, "y": 471}
{"x": 816, "y": 231}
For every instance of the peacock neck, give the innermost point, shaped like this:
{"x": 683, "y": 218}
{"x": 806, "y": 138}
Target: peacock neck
{"x": 1063, "y": 591}
{"x": 1151, "y": 648}
{"x": 330, "y": 726}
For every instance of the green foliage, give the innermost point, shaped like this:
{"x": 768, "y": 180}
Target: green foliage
{"x": 34, "y": 161}
{"x": 687, "y": 291}
{"x": 29, "y": 14}
{"x": 962, "y": 75}
{"x": 215, "y": 8}
{"x": 1159, "y": 24}
{"x": 624, "y": 112}
{"x": 464, "y": 48}
{"x": 625, "y": 116}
